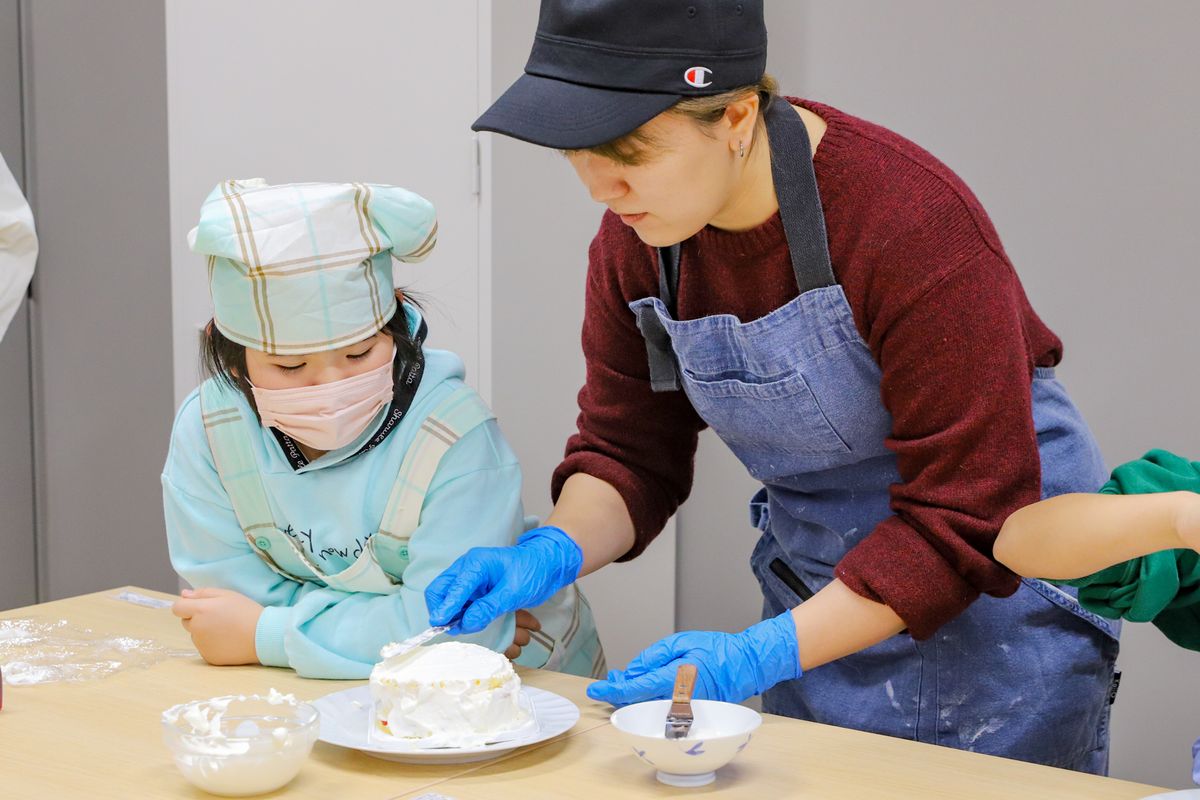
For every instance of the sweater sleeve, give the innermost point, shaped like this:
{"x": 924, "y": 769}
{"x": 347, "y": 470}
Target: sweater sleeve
{"x": 957, "y": 376}
{"x": 1162, "y": 588}
{"x": 641, "y": 442}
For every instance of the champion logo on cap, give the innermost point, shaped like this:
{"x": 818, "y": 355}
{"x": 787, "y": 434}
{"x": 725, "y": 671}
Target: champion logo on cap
{"x": 698, "y": 77}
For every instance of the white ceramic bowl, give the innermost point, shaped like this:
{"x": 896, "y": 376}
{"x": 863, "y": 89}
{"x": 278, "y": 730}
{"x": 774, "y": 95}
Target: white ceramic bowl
{"x": 240, "y": 745}
{"x": 720, "y": 732}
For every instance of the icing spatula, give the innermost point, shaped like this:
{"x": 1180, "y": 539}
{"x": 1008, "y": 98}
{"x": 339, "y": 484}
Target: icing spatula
{"x": 679, "y": 718}
{"x": 399, "y": 648}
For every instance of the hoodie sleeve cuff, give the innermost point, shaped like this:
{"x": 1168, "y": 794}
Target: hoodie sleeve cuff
{"x": 268, "y": 637}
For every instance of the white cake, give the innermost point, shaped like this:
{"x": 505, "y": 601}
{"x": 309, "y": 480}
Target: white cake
{"x": 446, "y": 695}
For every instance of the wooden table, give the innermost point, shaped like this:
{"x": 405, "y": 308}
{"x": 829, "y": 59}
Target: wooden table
{"x": 101, "y": 739}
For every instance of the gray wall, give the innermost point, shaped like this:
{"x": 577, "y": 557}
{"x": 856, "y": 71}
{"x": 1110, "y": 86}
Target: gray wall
{"x": 18, "y": 571}
{"x": 102, "y": 332}
{"x": 1074, "y": 121}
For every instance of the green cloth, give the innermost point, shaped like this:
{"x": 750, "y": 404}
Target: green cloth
{"x": 1163, "y": 587}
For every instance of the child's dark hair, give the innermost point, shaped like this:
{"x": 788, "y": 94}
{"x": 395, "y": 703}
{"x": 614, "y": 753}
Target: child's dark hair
{"x": 225, "y": 359}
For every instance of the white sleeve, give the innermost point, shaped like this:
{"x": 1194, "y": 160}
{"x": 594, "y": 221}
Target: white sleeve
{"x": 18, "y": 246}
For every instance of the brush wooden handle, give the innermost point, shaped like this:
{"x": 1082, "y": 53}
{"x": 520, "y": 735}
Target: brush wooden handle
{"x": 685, "y": 683}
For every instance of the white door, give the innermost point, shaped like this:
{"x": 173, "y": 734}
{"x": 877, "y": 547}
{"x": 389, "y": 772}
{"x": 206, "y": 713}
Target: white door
{"x": 382, "y": 91}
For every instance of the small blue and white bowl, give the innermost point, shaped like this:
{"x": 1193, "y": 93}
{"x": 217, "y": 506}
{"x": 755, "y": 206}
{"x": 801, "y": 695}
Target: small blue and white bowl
{"x": 720, "y": 732}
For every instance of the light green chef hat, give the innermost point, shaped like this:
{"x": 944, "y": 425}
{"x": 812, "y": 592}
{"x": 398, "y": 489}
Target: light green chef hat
{"x": 304, "y": 267}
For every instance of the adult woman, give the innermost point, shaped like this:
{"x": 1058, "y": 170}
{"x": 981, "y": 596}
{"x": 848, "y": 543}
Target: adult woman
{"x": 835, "y": 304}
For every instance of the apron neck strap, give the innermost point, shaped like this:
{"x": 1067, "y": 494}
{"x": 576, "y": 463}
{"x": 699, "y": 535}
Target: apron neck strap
{"x": 799, "y": 200}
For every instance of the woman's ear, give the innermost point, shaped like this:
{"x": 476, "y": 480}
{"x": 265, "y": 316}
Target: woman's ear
{"x": 740, "y": 118}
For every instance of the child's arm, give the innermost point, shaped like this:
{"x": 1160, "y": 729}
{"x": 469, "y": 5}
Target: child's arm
{"x": 1074, "y": 535}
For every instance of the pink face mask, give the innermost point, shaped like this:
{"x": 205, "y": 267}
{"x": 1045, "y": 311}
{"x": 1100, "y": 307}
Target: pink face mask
{"x": 329, "y": 415}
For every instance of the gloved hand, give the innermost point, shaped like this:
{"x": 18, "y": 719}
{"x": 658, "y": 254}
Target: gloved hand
{"x": 1196, "y": 762}
{"x": 730, "y": 666}
{"x": 486, "y": 582}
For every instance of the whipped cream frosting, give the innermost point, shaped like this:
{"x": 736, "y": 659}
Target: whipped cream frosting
{"x": 452, "y": 694}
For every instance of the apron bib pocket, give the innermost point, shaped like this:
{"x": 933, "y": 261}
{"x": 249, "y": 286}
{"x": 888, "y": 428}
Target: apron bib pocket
{"x": 774, "y": 415}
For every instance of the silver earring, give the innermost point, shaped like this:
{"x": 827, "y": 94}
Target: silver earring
{"x": 741, "y": 149}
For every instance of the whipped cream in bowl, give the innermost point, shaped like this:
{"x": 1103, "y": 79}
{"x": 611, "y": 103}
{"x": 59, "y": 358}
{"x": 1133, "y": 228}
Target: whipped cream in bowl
{"x": 239, "y": 745}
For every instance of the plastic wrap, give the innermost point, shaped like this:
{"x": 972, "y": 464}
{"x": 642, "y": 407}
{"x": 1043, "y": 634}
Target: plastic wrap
{"x": 39, "y": 651}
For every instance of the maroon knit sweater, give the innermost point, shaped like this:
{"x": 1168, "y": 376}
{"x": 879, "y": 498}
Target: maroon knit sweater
{"x": 945, "y": 316}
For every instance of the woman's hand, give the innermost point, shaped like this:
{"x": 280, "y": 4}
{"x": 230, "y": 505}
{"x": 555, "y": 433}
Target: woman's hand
{"x": 730, "y": 666}
{"x": 487, "y": 582}
{"x": 222, "y": 624}
{"x": 526, "y": 623}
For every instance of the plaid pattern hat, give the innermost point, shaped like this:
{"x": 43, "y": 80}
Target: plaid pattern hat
{"x": 304, "y": 267}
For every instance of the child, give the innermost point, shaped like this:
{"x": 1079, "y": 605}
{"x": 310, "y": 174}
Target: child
{"x": 1131, "y": 549}
{"x": 331, "y": 466}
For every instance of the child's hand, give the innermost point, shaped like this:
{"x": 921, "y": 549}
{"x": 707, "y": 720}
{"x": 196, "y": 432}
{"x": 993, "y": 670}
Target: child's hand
{"x": 222, "y": 624}
{"x": 526, "y": 622}
{"x": 1187, "y": 519}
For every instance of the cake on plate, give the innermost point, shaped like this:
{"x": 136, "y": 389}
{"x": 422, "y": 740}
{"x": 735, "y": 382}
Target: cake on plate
{"x": 452, "y": 694}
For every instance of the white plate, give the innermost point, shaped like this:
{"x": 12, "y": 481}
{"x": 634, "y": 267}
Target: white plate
{"x": 346, "y": 722}
{"x": 1182, "y": 794}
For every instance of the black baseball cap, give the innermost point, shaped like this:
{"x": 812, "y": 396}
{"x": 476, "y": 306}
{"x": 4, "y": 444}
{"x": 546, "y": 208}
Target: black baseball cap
{"x": 601, "y": 68}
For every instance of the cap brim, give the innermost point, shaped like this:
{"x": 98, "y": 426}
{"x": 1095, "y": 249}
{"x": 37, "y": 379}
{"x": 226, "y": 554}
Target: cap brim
{"x": 569, "y": 116}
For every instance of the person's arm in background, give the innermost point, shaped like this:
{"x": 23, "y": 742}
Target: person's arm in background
{"x": 18, "y": 246}
{"x": 1074, "y": 535}
{"x": 1131, "y": 549}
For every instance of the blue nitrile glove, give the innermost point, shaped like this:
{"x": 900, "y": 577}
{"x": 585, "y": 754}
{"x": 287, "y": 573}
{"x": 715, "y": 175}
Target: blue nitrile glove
{"x": 730, "y": 666}
{"x": 1196, "y": 762}
{"x": 486, "y": 582}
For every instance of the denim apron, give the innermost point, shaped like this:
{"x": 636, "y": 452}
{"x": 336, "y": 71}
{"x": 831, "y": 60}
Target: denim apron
{"x": 796, "y": 396}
